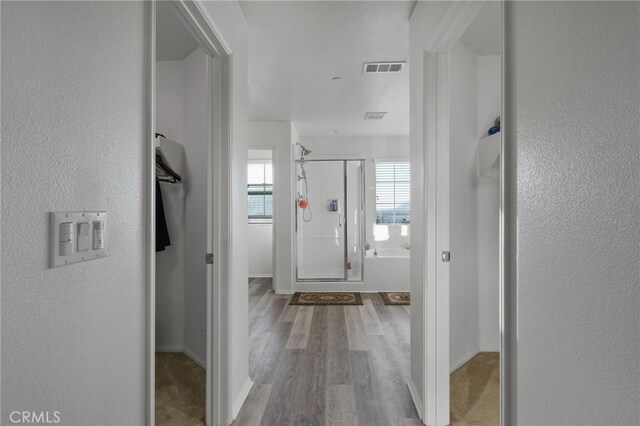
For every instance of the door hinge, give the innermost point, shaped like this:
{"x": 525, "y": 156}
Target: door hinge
{"x": 446, "y": 256}
{"x": 209, "y": 258}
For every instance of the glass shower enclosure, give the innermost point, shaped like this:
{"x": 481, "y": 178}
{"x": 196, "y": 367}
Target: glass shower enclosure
{"x": 330, "y": 226}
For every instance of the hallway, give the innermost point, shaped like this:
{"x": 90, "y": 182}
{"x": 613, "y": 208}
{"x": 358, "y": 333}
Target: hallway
{"x": 350, "y": 366}
{"x": 347, "y": 366}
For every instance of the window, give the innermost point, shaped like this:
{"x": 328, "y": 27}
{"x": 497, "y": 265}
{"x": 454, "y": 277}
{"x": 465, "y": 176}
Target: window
{"x": 392, "y": 193}
{"x": 260, "y": 191}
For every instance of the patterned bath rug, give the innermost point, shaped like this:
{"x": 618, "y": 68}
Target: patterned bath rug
{"x": 333, "y": 298}
{"x": 395, "y": 297}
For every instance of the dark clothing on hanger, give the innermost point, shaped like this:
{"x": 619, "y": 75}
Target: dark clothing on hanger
{"x": 162, "y": 232}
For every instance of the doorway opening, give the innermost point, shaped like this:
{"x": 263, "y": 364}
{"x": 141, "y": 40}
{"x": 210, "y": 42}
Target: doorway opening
{"x": 475, "y": 94}
{"x": 182, "y": 125}
{"x": 325, "y": 346}
{"x": 462, "y": 77}
{"x": 188, "y": 161}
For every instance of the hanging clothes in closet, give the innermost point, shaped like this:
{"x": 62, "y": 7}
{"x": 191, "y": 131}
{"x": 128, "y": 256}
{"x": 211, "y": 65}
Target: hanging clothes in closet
{"x": 165, "y": 172}
{"x": 162, "y": 232}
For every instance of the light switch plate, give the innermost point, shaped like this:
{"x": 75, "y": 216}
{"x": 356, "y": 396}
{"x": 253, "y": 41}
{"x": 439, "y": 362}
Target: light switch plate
{"x": 56, "y": 218}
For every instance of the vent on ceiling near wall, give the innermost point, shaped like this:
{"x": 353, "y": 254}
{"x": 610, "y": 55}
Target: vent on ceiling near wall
{"x": 374, "y": 115}
{"x": 383, "y": 67}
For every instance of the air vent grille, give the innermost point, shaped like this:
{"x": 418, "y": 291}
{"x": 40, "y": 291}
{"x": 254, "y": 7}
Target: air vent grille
{"x": 371, "y": 68}
{"x": 383, "y": 67}
{"x": 374, "y": 115}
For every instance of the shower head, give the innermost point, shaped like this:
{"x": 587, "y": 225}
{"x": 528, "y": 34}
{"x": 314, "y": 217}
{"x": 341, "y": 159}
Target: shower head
{"x": 304, "y": 151}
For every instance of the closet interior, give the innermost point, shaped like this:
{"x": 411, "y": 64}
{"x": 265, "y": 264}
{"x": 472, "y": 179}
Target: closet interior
{"x": 181, "y": 221}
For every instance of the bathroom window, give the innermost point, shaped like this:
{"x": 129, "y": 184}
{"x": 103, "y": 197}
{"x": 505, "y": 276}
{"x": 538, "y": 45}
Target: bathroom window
{"x": 260, "y": 192}
{"x": 392, "y": 193}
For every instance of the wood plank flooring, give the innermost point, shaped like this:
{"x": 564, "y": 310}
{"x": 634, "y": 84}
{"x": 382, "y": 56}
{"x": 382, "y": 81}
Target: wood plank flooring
{"x": 326, "y": 365}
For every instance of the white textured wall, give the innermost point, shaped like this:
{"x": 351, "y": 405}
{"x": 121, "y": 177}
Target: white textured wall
{"x": 463, "y": 208}
{"x": 574, "y": 98}
{"x": 170, "y": 99}
{"x": 170, "y": 309}
{"x": 229, "y": 21}
{"x": 73, "y": 111}
{"x": 260, "y": 250}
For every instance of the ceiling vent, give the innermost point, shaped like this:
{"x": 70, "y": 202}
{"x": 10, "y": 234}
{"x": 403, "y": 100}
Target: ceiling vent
{"x": 383, "y": 67}
{"x": 374, "y": 115}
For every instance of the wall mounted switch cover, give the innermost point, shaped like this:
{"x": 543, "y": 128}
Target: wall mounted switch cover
{"x": 74, "y": 237}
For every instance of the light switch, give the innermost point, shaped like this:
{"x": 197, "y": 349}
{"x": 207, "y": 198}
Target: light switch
{"x": 83, "y": 236}
{"x": 66, "y": 238}
{"x": 77, "y": 237}
{"x": 98, "y": 235}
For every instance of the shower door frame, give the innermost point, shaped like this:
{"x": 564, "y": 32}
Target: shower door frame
{"x": 363, "y": 220}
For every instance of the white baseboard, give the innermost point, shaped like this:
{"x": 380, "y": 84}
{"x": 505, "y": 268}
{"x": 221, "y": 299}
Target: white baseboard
{"x": 242, "y": 397}
{"x": 489, "y": 349}
{"x": 181, "y": 348}
{"x": 260, "y": 275}
{"x": 195, "y": 358}
{"x": 169, "y": 348}
{"x": 416, "y": 399}
{"x": 463, "y": 360}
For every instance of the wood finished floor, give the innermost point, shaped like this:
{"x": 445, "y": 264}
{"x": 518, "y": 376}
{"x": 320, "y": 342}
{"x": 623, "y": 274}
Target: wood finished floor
{"x": 326, "y": 365}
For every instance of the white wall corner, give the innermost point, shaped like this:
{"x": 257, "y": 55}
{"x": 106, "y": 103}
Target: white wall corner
{"x": 415, "y": 396}
{"x": 242, "y": 397}
{"x": 463, "y": 360}
{"x": 169, "y": 348}
{"x": 195, "y": 358}
{"x": 182, "y": 349}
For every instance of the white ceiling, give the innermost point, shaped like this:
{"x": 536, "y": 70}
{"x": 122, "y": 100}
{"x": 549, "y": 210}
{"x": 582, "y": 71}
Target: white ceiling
{"x": 483, "y": 35}
{"x": 296, "y": 47}
{"x": 173, "y": 40}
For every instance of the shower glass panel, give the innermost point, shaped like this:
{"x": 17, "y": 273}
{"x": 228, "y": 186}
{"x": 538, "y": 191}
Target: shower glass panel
{"x": 330, "y": 230}
{"x": 354, "y": 220}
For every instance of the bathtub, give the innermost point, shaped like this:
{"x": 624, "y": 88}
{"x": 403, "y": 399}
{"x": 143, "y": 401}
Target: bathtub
{"x": 388, "y": 271}
{"x": 389, "y": 252}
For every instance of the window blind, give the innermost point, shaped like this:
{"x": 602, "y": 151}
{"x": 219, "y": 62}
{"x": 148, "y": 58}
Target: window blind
{"x": 393, "y": 186}
{"x": 260, "y": 190}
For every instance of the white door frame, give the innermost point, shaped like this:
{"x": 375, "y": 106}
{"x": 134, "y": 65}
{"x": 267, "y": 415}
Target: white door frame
{"x": 507, "y": 239}
{"x": 454, "y": 22}
{"x": 197, "y": 21}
